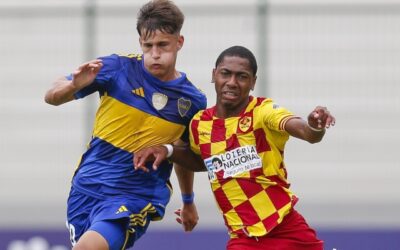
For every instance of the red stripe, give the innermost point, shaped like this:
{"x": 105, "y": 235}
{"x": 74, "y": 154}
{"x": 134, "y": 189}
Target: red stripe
{"x": 205, "y": 150}
{"x": 247, "y": 213}
{"x": 207, "y": 114}
{"x": 278, "y": 196}
{"x": 262, "y": 144}
{"x": 271, "y": 221}
{"x": 259, "y": 101}
{"x": 223, "y": 201}
{"x": 249, "y": 187}
{"x": 279, "y": 181}
{"x": 232, "y": 143}
{"x": 218, "y": 130}
{"x": 195, "y": 132}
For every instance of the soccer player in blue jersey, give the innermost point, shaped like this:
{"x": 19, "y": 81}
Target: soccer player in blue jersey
{"x": 144, "y": 101}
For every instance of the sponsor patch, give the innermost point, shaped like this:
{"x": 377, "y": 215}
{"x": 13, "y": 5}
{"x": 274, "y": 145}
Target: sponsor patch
{"x": 233, "y": 162}
{"x": 159, "y": 100}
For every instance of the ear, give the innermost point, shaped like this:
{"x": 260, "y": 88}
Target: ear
{"x": 213, "y": 76}
{"x": 254, "y": 83}
{"x": 140, "y": 41}
{"x": 181, "y": 40}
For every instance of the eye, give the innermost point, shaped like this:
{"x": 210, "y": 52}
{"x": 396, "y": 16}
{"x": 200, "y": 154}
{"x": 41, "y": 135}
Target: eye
{"x": 224, "y": 73}
{"x": 147, "y": 46}
{"x": 163, "y": 44}
{"x": 243, "y": 76}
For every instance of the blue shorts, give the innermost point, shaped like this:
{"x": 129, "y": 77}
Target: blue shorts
{"x": 120, "y": 221}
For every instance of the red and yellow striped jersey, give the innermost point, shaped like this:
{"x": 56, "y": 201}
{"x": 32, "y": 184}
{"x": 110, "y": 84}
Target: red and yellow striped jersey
{"x": 244, "y": 159}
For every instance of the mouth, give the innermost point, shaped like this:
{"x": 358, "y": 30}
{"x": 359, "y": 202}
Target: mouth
{"x": 229, "y": 95}
{"x": 156, "y": 66}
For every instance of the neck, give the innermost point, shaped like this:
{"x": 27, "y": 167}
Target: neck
{"x": 226, "y": 111}
{"x": 172, "y": 76}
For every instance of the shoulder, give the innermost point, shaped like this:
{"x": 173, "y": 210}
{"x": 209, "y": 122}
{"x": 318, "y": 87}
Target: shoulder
{"x": 263, "y": 103}
{"x": 197, "y": 96}
{"x": 133, "y": 57}
{"x": 205, "y": 114}
{"x": 121, "y": 59}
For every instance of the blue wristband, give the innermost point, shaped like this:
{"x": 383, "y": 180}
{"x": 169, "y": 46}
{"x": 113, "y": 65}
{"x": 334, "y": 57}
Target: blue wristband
{"x": 188, "y": 198}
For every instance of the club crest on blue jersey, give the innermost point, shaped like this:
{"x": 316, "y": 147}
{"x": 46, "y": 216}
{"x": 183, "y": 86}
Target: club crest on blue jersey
{"x": 184, "y": 106}
{"x": 159, "y": 100}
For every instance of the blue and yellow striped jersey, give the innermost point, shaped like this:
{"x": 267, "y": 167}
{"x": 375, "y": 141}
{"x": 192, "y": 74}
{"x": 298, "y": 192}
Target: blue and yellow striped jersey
{"x": 136, "y": 111}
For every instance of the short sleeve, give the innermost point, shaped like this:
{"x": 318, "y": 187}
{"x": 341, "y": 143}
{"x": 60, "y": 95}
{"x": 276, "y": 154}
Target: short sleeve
{"x": 194, "y": 136}
{"x": 274, "y": 116}
{"x": 111, "y": 65}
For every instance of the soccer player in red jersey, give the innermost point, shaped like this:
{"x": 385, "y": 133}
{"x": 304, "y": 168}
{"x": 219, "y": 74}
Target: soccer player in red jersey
{"x": 240, "y": 142}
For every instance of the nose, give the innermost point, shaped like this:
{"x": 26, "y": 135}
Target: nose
{"x": 155, "y": 52}
{"x": 232, "y": 81}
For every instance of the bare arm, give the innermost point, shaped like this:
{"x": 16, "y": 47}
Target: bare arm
{"x": 188, "y": 215}
{"x": 63, "y": 90}
{"x": 181, "y": 155}
{"x": 314, "y": 129}
{"x": 185, "y": 163}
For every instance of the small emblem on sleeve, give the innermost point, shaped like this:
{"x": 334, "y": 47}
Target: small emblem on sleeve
{"x": 183, "y": 106}
{"x": 138, "y": 91}
{"x": 159, "y": 100}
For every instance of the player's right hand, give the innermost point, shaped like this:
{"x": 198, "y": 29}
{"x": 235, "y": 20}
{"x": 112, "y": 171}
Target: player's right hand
{"x": 86, "y": 73}
{"x": 157, "y": 154}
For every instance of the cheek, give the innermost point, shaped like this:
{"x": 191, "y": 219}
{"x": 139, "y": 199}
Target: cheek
{"x": 169, "y": 56}
{"x": 146, "y": 57}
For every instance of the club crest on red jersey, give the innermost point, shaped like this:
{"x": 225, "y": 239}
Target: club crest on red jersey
{"x": 245, "y": 123}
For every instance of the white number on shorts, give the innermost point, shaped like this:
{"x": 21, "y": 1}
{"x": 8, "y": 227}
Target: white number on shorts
{"x": 71, "y": 230}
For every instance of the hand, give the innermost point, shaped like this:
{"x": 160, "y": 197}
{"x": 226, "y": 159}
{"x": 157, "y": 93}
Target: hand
{"x": 187, "y": 216}
{"x": 321, "y": 118}
{"x": 156, "y": 153}
{"x": 86, "y": 73}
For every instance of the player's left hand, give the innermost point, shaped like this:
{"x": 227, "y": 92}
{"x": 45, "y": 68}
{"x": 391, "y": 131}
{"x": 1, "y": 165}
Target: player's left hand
{"x": 321, "y": 118}
{"x": 187, "y": 217}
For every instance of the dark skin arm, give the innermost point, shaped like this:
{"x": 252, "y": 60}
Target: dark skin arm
{"x": 187, "y": 215}
{"x": 182, "y": 155}
{"x": 314, "y": 129}
{"x": 185, "y": 162}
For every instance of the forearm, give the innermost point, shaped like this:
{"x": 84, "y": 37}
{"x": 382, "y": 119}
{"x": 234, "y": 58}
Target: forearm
{"x": 313, "y": 135}
{"x": 63, "y": 91}
{"x": 299, "y": 128}
{"x": 185, "y": 179}
{"x": 187, "y": 159}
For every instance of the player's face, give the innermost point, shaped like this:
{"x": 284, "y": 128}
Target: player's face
{"x": 233, "y": 80}
{"x": 160, "y": 50}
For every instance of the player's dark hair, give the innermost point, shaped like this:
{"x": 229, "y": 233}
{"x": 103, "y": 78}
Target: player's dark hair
{"x": 162, "y": 15}
{"x": 241, "y": 52}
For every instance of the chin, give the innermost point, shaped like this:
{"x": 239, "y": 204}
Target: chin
{"x": 228, "y": 104}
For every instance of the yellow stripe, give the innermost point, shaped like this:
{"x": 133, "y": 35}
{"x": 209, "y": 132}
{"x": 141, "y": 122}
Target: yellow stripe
{"x": 251, "y": 105}
{"x": 141, "y": 91}
{"x": 126, "y": 240}
{"x": 282, "y": 123}
{"x": 115, "y": 122}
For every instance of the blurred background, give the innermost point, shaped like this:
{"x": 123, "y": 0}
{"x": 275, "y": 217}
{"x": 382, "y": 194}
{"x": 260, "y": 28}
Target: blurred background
{"x": 343, "y": 54}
